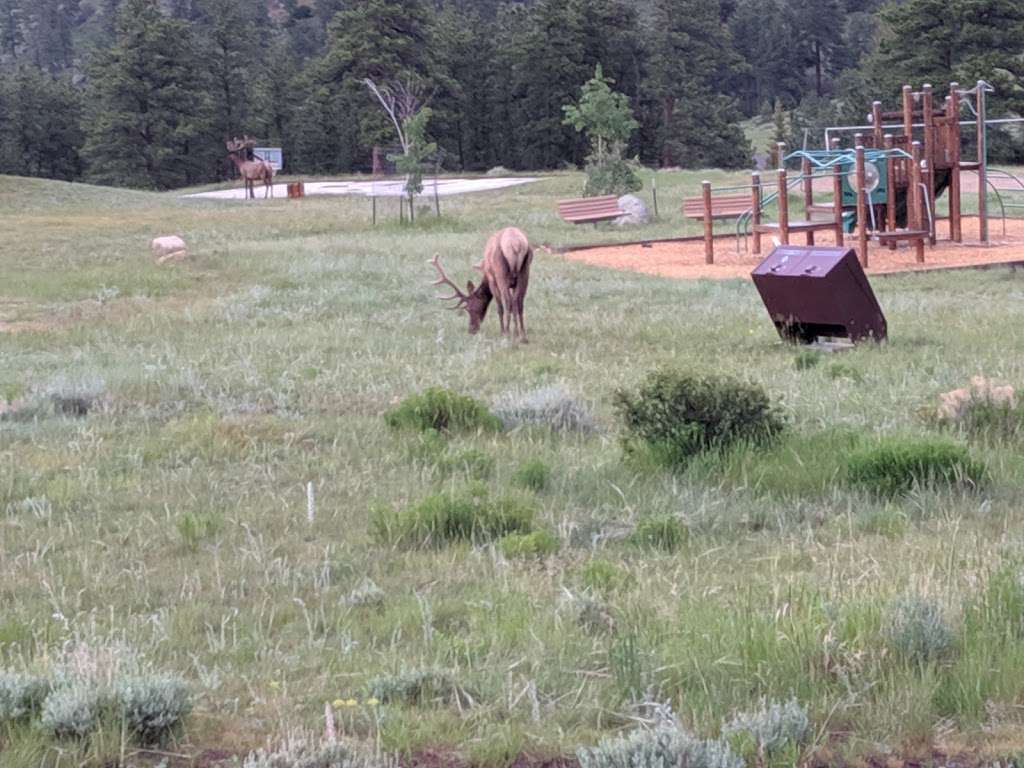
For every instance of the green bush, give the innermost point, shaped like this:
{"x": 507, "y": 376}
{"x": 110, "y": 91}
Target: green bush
{"x": 610, "y": 175}
{"x": 897, "y": 465}
{"x": 806, "y": 359}
{"x": 421, "y": 686}
{"x": 661, "y": 747}
{"x": 536, "y": 544}
{"x": 442, "y": 410}
{"x": 471, "y": 462}
{"x": 604, "y": 576}
{"x": 664, "y": 532}
{"x": 21, "y": 695}
{"x": 532, "y": 475}
{"x": 916, "y": 629}
{"x": 675, "y": 416}
{"x": 467, "y": 514}
{"x": 153, "y": 707}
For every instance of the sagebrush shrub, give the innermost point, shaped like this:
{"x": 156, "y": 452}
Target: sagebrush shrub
{"x": 366, "y": 593}
{"x": 21, "y": 695}
{"x": 678, "y": 415}
{"x": 532, "y": 475}
{"x": 535, "y": 544}
{"x": 72, "y": 711}
{"x": 662, "y": 747}
{"x": 551, "y": 406}
{"x": 421, "y": 686}
{"x": 664, "y": 532}
{"x": 772, "y": 727}
{"x": 442, "y": 410}
{"x": 916, "y": 628}
{"x": 899, "y": 464}
{"x": 301, "y": 750}
{"x": 153, "y": 706}
{"x": 467, "y": 514}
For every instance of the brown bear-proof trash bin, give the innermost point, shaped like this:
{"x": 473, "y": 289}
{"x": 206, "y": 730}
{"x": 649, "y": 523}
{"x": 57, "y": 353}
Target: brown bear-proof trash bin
{"x": 813, "y": 292}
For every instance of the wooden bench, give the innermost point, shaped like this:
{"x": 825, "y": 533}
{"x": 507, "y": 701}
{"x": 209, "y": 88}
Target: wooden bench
{"x": 722, "y": 207}
{"x": 587, "y": 210}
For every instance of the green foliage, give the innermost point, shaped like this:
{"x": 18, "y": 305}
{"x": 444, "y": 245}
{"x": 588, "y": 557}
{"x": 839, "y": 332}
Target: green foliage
{"x": 535, "y": 544}
{"x": 773, "y": 727}
{"x": 412, "y": 163}
{"x": 605, "y": 577}
{"x": 441, "y": 410}
{"x": 21, "y": 695}
{"x": 662, "y": 747}
{"x": 197, "y": 527}
{"x": 678, "y": 415}
{"x": 664, "y": 532}
{"x": 153, "y": 707}
{"x": 419, "y": 687}
{"x": 806, "y": 359}
{"x": 899, "y": 464}
{"x": 471, "y": 462}
{"x": 988, "y": 420}
{"x": 466, "y": 514}
{"x": 533, "y": 475}
{"x": 916, "y": 629}
{"x": 610, "y": 175}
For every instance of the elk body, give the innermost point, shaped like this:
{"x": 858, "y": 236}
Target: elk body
{"x": 251, "y": 171}
{"x": 506, "y": 275}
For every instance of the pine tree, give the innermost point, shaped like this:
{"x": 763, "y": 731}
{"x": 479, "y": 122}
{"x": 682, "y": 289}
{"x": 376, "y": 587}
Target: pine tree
{"x": 39, "y": 125}
{"x": 149, "y": 120}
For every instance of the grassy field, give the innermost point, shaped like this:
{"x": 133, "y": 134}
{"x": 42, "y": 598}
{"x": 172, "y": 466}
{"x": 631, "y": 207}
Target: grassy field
{"x": 171, "y": 523}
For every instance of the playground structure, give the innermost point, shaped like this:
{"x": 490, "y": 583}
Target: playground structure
{"x": 884, "y": 187}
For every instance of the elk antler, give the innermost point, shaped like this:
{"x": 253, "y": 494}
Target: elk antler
{"x": 445, "y": 280}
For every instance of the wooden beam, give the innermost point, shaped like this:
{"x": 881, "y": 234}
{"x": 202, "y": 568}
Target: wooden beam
{"x": 755, "y": 207}
{"x": 890, "y": 190}
{"x": 837, "y": 201}
{"x": 862, "y": 211}
{"x": 709, "y": 233}
{"x": 783, "y": 207}
{"x": 916, "y": 200}
{"x": 929, "y": 155}
{"x": 953, "y": 113}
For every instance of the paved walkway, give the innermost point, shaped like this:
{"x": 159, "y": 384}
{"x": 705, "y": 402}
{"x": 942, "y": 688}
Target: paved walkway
{"x": 388, "y": 188}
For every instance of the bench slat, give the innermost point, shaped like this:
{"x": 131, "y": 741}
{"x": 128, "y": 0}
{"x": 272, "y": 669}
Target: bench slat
{"x": 722, "y": 206}
{"x": 590, "y": 209}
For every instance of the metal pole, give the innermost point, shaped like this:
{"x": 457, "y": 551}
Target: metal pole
{"x": 982, "y": 164}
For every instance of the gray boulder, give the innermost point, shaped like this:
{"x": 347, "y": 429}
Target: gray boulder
{"x": 636, "y": 211}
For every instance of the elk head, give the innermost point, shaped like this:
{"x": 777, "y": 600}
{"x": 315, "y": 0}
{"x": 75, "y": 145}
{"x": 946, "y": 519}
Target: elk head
{"x": 474, "y": 300}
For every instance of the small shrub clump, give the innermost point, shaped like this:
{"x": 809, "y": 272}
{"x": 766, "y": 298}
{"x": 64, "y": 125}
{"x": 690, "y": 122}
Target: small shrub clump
{"x": 21, "y": 695}
{"x": 153, "y": 706}
{"x": 662, "y": 747}
{"x": 442, "y": 410}
{"x": 469, "y": 514}
{"x": 605, "y": 577}
{"x": 916, "y": 629}
{"x": 897, "y": 465}
{"x": 773, "y": 727}
{"x": 471, "y": 462}
{"x": 676, "y": 416}
{"x": 366, "y": 594}
{"x": 422, "y": 686}
{"x": 664, "y": 532}
{"x": 536, "y": 544}
{"x": 532, "y": 475}
{"x": 72, "y": 711}
{"x": 806, "y": 359}
{"x": 552, "y": 406}
{"x": 301, "y": 750}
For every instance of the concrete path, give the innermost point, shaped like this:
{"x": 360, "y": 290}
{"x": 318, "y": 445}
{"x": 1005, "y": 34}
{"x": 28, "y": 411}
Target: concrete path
{"x": 388, "y": 188}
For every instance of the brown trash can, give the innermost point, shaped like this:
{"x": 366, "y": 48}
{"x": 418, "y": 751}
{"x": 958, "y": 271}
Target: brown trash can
{"x": 813, "y": 292}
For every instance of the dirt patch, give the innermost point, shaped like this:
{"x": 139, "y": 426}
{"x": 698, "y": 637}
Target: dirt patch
{"x": 685, "y": 259}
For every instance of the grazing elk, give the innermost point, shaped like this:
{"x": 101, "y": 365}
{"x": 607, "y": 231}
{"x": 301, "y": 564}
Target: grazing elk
{"x": 251, "y": 170}
{"x": 506, "y": 275}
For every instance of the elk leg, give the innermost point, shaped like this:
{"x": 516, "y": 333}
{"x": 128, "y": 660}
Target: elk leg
{"x": 521, "y": 285}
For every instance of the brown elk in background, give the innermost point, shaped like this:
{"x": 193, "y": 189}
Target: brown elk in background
{"x": 251, "y": 170}
{"x": 506, "y": 275}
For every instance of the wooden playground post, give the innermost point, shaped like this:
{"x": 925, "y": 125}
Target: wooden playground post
{"x": 783, "y": 207}
{"x": 914, "y": 201}
{"x": 755, "y": 208}
{"x": 890, "y": 188}
{"x": 982, "y": 161}
{"x": 709, "y": 234}
{"x": 953, "y": 114}
{"x": 780, "y": 147}
{"x": 876, "y": 122}
{"x": 929, "y": 155}
{"x": 908, "y": 113}
{"x": 862, "y": 212}
{"x": 837, "y": 201}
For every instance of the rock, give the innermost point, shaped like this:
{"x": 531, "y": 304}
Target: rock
{"x": 168, "y": 248}
{"x": 955, "y": 404}
{"x": 636, "y": 211}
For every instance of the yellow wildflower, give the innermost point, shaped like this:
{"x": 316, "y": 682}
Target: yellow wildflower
{"x": 338, "y": 703}
{"x": 372, "y": 702}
